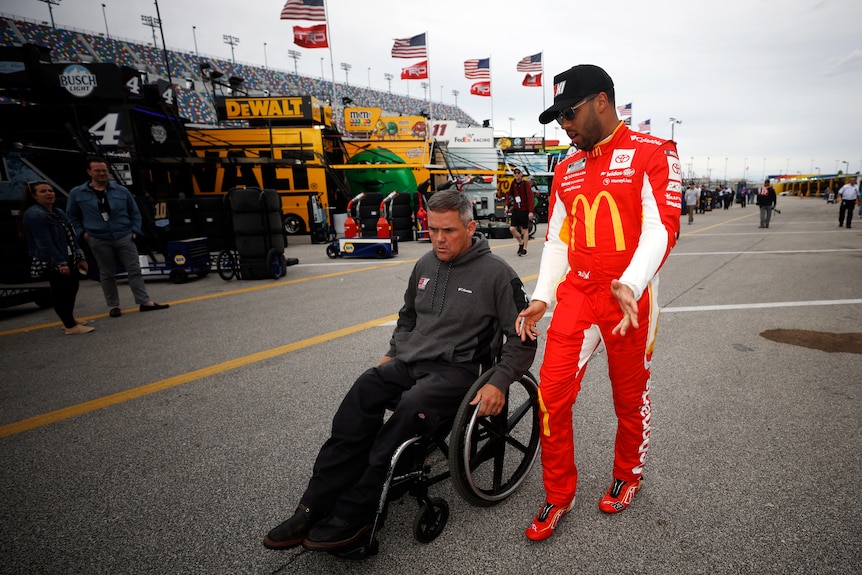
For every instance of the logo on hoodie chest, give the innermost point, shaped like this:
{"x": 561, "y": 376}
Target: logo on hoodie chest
{"x": 423, "y": 283}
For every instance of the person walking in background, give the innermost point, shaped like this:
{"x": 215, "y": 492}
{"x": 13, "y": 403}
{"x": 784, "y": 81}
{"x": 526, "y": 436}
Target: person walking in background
{"x": 520, "y": 202}
{"x": 106, "y": 216}
{"x": 742, "y": 195}
{"x": 766, "y": 200}
{"x": 54, "y": 251}
{"x": 847, "y": 195}
{"x": 692, "y": 200}
{"x": 727, "y": 196}
{"x": 614, "y": 216}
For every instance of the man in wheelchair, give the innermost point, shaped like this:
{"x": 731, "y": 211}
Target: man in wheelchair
{"x": 459, "y": 298}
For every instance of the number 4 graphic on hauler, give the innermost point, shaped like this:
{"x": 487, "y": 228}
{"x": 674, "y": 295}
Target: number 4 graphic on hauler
{"x": 107, "y": 130}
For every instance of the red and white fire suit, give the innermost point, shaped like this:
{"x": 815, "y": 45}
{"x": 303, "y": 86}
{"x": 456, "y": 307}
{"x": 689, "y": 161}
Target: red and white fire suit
{"x": 614, "y": 214}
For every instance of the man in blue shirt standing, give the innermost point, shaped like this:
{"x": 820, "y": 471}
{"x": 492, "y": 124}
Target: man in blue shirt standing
{"x": 106, "y": 216}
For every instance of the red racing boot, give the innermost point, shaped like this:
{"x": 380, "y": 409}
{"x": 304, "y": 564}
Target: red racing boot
{"x": 546, "y": 521}
{"x": 619, "y": 496}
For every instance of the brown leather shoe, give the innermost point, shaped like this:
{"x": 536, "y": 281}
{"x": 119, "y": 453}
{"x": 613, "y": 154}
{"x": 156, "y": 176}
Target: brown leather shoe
{"x": 335, "y": 533}
{"x": 293, "y": 531}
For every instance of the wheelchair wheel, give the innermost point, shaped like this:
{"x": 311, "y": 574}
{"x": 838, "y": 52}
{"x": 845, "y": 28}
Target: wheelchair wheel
{"x": 489, "y": 457}
{"x": 430, "y": 520}
{"x": 226, "y": 265}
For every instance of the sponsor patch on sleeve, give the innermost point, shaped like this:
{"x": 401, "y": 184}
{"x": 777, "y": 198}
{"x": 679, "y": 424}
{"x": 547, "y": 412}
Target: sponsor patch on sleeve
{"x": 674, "y": 170}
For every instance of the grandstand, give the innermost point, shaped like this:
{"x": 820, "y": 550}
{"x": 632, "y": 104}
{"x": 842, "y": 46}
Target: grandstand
{"x": 194, "y": 92}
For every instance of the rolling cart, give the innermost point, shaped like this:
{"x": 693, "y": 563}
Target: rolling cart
{"x": 257, "y": 237}
{"x": 185, "y": 257}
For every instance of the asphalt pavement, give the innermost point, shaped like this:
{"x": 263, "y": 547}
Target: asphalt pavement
{"x": 171, "y": 442}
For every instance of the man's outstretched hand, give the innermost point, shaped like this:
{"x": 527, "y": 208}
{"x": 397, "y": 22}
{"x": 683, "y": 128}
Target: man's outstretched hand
{"x": 629, "y": 306}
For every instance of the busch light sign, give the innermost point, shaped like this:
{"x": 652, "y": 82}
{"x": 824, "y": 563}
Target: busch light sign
{"x": 78, "y": 80}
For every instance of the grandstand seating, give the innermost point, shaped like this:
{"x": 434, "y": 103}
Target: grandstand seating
{"x": 69, "y": 45}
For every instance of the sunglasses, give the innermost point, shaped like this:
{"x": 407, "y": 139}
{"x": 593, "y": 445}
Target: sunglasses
{"x": 568, "y": 114}
{"x": 517, "y": 172}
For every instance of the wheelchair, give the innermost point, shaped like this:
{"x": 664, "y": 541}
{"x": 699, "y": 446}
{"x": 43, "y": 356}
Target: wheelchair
{"x": 488, "y": 459}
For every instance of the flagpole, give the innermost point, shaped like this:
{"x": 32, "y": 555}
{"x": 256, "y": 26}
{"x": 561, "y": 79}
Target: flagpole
{"x": 331, "y": 58}
{"x": 544, "y": 106}
{"x": 430, "y": 84}
{"x": 491, "y": 82}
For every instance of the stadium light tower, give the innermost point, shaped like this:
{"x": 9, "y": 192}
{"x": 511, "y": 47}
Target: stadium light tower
{"x": 51, "y": 4}
{"x": 424, "y": 90}
{"x": 673, "y": 122}
{"x": 152, "y": 23}
{"x": 346, "y": 67}
{"x": 265, "y": 63}
{"x": 455, "y": 93}
{"x": 105, "y": 18}
{"x": 511, "y": 119}
{"x": 296, "y": 55}
{"x": 233, "y": 41}
{"x": 195, "y": 38}
{"x": 389, "y": 77}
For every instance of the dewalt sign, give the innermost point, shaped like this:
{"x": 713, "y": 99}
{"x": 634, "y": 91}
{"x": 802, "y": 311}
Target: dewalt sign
{"x": 281, "y": 110}
{"x": 266, "y": 108}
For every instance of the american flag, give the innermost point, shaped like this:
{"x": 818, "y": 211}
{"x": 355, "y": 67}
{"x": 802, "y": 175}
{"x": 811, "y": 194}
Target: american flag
{"x": 644, "y": 127}
{"x": 304, "y": 10}
{"x": 530, "y": 63}
{"x": 625, "y": 110}
{"x": 478, "y": 69}
{"x": 410, "y": 47}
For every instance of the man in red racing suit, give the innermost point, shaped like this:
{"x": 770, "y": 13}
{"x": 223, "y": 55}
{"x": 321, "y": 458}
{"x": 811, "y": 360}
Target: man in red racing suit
{"x": 613, "y": 218}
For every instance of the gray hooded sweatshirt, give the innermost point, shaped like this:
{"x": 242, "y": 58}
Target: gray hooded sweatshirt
{"x": 456, "y": 312}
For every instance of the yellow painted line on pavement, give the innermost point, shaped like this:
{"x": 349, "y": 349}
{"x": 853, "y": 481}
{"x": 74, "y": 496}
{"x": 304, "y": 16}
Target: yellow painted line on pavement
{"x": 217, "y": 295}
{"x": 102, "y": 402}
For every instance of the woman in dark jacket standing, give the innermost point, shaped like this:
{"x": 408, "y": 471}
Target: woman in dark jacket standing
{"x": 54, "y": 251}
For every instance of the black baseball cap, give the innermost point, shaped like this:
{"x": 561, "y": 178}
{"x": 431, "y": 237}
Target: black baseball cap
{"x": 573, "y": 85}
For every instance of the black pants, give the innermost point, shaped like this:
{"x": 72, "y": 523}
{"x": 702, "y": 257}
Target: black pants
{"x": 846, "y": 206}
{"x": 351, "y": 467}
{"x": 64, "y": 291}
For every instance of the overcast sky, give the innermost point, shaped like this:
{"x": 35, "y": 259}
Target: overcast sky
{"x": 778, "y": 82}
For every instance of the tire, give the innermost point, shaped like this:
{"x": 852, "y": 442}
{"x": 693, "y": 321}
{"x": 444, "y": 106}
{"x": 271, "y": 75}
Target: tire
{"x": 402, "y": 223}
{"x": 490, "y": 457}
{"x": 275, "y": 264}
{"x": 332, "y": 251}
{"x": 369, "y": 227}
{"x": 381, "y": 252}
{"x": 293, "y": 224}
{"x": 179, "y": 276}
{"x": 401, "y": 211}
{"x": 429, "y": 522}
{"x": 226, "y": 265}
{"x": 533, "y": 226}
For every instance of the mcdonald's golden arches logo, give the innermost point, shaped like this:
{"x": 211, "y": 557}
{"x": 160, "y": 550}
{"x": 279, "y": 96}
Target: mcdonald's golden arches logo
{"x": 590, "y": 216}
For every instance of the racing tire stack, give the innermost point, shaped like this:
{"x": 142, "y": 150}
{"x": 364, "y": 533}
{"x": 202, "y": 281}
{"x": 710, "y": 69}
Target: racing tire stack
{"x": 258, "y": 232}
